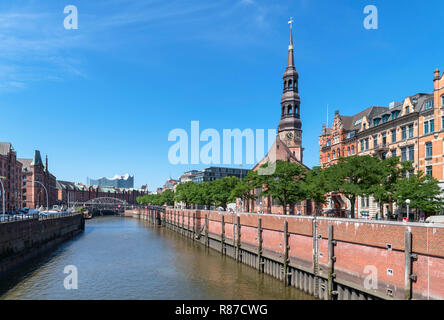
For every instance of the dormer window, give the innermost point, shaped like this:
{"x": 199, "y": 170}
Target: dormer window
{"x": 407, "y": 110}
{"x": 385, "y": 118}
{"x": 428, "y": 104}
{"x": 395, "y": 114}
{"x": 376, "y": 121}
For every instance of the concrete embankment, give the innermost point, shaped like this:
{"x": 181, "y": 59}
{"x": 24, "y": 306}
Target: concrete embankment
{"x": 343, "y": 259}
{"x": 23, "y": 240}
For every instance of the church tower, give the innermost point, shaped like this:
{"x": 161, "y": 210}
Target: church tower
{"x": 290, "y": 126}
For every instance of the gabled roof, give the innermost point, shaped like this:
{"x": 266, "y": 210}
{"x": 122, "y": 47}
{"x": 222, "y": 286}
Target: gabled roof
{"x": 26, "y": 164}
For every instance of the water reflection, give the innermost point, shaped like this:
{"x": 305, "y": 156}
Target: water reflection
{"x": 123, "y": 258}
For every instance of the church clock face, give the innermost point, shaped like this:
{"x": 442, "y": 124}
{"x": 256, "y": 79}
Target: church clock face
{"x": 289, "y": 135}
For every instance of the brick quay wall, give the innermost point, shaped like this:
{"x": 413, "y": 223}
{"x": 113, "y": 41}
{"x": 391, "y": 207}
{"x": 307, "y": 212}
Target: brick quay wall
{"x": 23, "y": 240}
{"x": 344, "y": 259}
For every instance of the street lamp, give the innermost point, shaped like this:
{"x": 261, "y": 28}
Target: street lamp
{"x": 46, "y": 191}
{"x": 408, "y": 203}
{"x": 3, "y": 193}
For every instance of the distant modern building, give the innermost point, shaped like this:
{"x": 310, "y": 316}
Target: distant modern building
{"x": 214, "y": 173}
{"x": 188, "y": 176}
{"x": 126, "y": 182}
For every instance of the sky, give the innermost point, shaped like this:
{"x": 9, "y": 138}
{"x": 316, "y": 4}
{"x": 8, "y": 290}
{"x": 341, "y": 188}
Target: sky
{"x": 102, "y": 99}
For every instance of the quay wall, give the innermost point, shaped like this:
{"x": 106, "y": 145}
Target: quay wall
{"x": 23, "y": 240}
{"x": 345, "y": 259}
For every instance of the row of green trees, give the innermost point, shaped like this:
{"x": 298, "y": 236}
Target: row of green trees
{"x": 389, "y": 181}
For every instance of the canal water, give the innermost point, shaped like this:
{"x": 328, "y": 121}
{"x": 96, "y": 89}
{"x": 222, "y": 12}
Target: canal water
{"x": 125, "y": 258}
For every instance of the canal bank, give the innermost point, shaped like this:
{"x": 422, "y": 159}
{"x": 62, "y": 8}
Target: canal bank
{"x": 125, "y": 258}
{"x": 333, "y": 259}
{"x": 28, "y": 238}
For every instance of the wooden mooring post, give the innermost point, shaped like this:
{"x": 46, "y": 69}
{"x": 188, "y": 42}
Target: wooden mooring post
{"x": 285, "y": 261}
{"x": 238, "y": 240}
{"x": 260, "y": 263}
{"x": 194, "y": 226}
{"x": 207, "y": 240}
{"x": 331, "y": 294}
{"x": 409, "y": 277}
{"x": 222, "y": 239}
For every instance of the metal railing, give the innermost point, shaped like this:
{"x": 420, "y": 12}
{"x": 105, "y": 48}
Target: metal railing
{"x": 6, "y": 218}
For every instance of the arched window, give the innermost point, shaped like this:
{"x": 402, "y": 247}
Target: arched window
{"x": 290, "y": 110}
{"x": 285, "y": 84}
{"x": 353, "y": 150}
{"x": 334, "y": 154}
{"x": 290, "y": 84}
{"x": 348, "y": 151}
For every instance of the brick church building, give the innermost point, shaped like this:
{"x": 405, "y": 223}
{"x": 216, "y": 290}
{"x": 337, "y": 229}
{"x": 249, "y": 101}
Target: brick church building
{"x": 288, "y": 144}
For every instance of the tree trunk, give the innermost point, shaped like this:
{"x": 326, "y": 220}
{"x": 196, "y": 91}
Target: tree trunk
{"x": 284, "y": 206}
{"x": 352, "y": 202}
{"x": 381, "y": 210}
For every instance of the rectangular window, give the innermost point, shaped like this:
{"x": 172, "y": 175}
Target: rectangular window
{"x": 366, "y": 144}
{"x": 404, "y": 133}
{"x": 375, "y": 141}
{"x": 411, "y": 153}
{"x": 432, "y": 125}
{"x": 404, "y": 154}
{"x": 429, "y": 150}
{"x": 442, "y": 123}
{"x": 394, "y": 136}
{"x": 362, "y": 145}
{"x": 426, "y": 127}
{"x": 411, "y": 131}
{"x": 393, "y": 153}
{"x": 429, "y": 171}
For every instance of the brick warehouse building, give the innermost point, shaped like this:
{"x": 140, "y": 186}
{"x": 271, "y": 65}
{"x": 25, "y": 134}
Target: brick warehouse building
{"x": 76, "y": 192}
{"x": 34, "y": 194}
{"x": 11, "y": 171}
{"x": 288, "y": 144}
{"x": 412, "y": 130}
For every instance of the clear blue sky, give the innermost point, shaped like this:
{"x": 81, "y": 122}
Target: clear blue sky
{"x": 102, "y": 99}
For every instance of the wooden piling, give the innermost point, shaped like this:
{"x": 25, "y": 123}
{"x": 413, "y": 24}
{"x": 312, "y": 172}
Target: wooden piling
{"x": 222, "y": 239}
{"x": 409, "y": 277}
{"x": 331, "y": 261}
{"x": 207, "y": 240}
{"x": 238, "y": 240}
{"x": 260, "y": 264}
{"x": 285, "y": 259}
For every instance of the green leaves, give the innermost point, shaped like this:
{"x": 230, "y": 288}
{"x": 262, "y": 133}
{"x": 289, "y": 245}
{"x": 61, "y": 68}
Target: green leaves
{"x": 285, "y": 184}
{"x": 422, "y": 191}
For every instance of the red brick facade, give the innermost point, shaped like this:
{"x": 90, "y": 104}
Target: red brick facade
{"x": 11, "y": 171}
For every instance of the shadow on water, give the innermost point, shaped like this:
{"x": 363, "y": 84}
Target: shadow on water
{"x": 25, "y": 270}
{"x": 125, "y": 258}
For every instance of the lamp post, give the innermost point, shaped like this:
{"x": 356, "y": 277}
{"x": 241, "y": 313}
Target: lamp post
{"x": 408, "y": 204}
{"x": 3, "y": 194}
{"x": 46, "y": 191}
